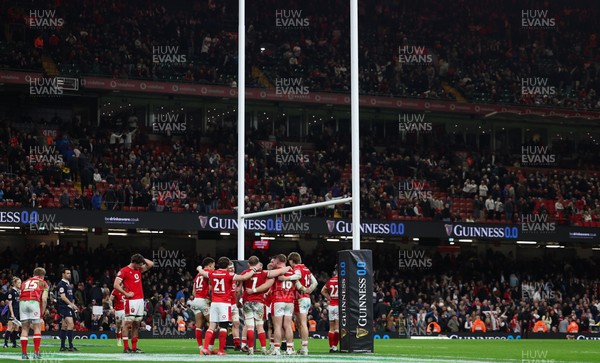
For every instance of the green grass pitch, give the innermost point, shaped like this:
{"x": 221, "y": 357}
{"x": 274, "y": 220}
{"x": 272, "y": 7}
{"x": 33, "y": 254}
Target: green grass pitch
{"x": 397, "y": 350}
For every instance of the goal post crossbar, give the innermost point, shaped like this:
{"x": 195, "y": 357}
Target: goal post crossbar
{"x": 296, "y": 208}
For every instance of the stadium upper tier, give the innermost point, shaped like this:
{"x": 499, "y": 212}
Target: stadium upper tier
{"x": 485, "y": 51}
{"x": 91, "y": 168}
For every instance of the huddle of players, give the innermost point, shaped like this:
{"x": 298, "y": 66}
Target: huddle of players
{"x": 271, "y": 295}
{"x": 27, "y": 301}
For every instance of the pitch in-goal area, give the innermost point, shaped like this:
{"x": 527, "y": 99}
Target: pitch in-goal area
{"x": 387, "y": 351}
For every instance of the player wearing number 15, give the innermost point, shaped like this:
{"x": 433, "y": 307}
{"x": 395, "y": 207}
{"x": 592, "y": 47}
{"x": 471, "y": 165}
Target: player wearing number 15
{"x": 221, "y": 283}
{"x": 34, "y": 295}
{"x": 129, "y": 283}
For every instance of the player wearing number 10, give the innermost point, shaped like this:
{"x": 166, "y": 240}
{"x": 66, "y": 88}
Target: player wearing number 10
{"x": 34, "y": 295}
{"x": 221, "y": 282}
{"x": 254, "y": 301}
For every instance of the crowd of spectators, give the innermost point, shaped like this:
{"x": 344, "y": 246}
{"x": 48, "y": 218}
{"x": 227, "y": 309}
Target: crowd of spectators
{"x": 479, "y": 52}
{"x": 508, "y": 294}
{"x": 89, "y": 167}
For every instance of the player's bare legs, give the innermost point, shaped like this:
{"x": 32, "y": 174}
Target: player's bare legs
{"x": 200, "y": 323}
{"x": 277, "y": 334}
{"x": 301, "y": 319}
{"x": 334, "y": 333}
{"x": 289, "y": 334}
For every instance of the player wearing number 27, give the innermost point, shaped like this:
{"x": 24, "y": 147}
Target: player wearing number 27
{"x": 221, "y": 283}
{"x": 34, "y": 295}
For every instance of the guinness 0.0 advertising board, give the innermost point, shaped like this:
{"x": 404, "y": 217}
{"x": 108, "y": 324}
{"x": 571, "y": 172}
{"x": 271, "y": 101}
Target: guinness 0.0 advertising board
{"x": 355, "y": 289}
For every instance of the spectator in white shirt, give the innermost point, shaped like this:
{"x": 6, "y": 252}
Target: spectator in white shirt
{"x": 490, "y": 207}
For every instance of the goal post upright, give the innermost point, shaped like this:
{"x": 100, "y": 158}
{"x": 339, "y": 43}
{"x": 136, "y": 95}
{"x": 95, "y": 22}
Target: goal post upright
{"x": 241, "y": 114}
{"x": 354, "y": 101}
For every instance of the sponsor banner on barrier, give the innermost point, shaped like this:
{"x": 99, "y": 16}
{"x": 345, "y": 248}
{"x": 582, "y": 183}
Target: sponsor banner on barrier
{"x": 516, "y": 336}
{"x": 355, "y": 286}
{"x": 51, "y": 219}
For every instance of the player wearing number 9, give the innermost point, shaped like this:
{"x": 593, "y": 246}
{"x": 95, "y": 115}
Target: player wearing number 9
{"x": 221, "y": 282}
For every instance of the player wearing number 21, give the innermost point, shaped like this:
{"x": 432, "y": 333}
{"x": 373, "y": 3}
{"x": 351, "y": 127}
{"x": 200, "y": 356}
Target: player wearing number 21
{"x": 221, "y": 283}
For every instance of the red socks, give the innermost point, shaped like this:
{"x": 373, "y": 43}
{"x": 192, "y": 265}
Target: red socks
{"x": 251, "y": 338}
{"x": 331, "y": 336}
{"x": 37, "y": 341}
{"x": 222, "y": 340}
{"x": 336, "y": 338}
{"x": 125, "y": 343}
{"x": 199, "y": 336}
{"x": 262, "y": 337}
{"x": 134, "y": 343}
{"x": 208, "y": 338}
{"x": 24, "y": 345}
{"x": 236, "y": 342}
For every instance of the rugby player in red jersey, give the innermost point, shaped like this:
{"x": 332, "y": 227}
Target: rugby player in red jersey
{"x": 34, "y": 296}
{"x": 221, "y": 283}
{"x": 201, "y": 303}
{"x": 129, "y": 283}
{"x": 254, "y": 301}
{"x": 235, "y": 311}
{"x": 283, "y": 306}
{"x": 304, "y": 287}
{"x": 117, "y": 303}
{"x": 330, "y": 292}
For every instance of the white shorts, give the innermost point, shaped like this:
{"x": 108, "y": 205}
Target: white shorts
{"x": 134, "y": 309}
{"x": 283, "y": 309}
{"x": 119, "y": 315}
{"x": 29, "y": 311}
{"x": 235, "y": 313}
{"x": 200, "y": 306}
{"x": 334, "y": 313}
{"x": 220, "y": 312}
{"x": 254, "y": 312}
{"x": 303, "y": 305}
